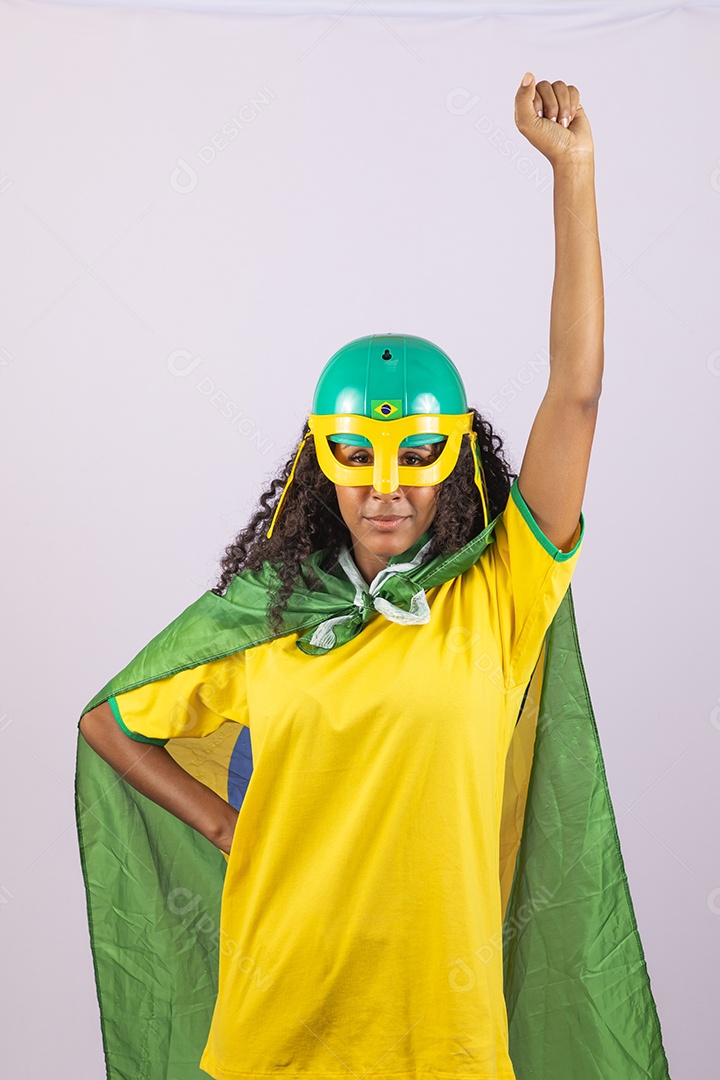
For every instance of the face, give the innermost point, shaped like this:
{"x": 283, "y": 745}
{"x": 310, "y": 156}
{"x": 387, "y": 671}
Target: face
{"x": 384, "y": 524}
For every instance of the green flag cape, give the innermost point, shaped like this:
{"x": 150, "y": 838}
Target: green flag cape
{"x": 576, "y": 986}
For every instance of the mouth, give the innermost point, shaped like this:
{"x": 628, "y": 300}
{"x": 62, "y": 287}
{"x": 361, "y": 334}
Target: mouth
{"x": 386, "y": 522}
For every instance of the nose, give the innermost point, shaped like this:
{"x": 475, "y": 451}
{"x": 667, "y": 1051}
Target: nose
{"x": 385, "y": 473}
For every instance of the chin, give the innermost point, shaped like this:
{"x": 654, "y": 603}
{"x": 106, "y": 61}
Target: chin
{"x": 391, "y": 543}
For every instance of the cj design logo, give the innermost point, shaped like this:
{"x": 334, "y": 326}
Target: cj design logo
{"x": 181, "y": 364}
{"x": 190, "y": 910}
{"x": 713, "y": 362}
{"x": 459, "y": 101}
{"x": 184, "y": 178}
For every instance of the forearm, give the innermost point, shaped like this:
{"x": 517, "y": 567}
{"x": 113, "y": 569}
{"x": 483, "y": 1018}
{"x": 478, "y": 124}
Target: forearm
{"x": 151, "y": 770}
{"x": 578, "y": 309}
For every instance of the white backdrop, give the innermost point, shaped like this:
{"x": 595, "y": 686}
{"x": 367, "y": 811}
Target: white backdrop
{"x": 199, "y": 209}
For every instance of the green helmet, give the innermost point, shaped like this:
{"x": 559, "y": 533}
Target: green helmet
{"x": 385, "y": 377}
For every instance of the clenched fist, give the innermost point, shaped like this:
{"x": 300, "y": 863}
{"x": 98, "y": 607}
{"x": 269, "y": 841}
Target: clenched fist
{"x": 551, "y": 117}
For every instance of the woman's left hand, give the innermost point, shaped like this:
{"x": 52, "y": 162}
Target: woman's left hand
{"x": 561, "y": 130}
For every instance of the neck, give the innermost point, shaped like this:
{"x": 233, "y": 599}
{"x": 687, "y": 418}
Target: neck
{"x": 368, "y": 563}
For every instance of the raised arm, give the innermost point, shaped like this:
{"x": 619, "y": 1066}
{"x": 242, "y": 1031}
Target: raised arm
{"x": 554, "y": 468}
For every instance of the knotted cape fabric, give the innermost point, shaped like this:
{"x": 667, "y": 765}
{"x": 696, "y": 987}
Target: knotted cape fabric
{"x": 576, "y": 985}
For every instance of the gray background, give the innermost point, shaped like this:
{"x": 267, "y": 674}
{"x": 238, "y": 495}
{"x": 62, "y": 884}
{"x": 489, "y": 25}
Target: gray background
{"x": 377, "y": 183}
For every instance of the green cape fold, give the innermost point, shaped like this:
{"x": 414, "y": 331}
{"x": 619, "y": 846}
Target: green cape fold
{"x": 577, "y": 991}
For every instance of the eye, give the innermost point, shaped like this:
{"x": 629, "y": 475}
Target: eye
{"x": 361, "y": 457}
{"x": 423, "y": 455}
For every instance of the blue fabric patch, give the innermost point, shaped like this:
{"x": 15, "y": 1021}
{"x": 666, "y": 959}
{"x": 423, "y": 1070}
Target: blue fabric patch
{"x": 240, "y": 768}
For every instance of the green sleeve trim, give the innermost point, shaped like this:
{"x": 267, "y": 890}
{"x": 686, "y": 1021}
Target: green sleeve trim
{"x": 557, "y": 554}
{"x": 132, "y": 734}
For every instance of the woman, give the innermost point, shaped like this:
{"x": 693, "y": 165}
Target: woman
{"x": 376, "y": 630}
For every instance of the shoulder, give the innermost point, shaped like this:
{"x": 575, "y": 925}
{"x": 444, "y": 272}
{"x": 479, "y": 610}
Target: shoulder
{"x": 513, "y": 555}
{"x": 516, "y": 525}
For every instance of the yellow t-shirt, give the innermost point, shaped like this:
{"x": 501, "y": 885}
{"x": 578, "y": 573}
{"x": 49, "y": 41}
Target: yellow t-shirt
{"x": 361, "y": 910}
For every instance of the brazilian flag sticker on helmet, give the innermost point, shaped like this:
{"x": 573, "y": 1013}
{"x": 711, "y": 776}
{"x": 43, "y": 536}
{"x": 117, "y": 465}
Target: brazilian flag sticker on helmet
{"x": 384, "y": 409}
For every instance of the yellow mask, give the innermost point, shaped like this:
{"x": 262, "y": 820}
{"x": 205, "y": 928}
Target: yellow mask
{"x": 385, "y": 474}
{"x": 385, "y": 437}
